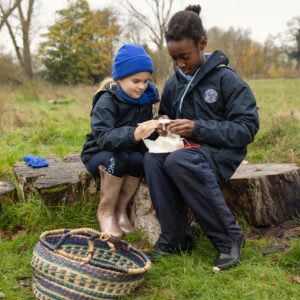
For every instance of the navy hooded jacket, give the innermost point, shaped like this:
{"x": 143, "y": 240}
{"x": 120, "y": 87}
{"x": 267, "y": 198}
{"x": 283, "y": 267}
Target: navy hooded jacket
{"x": 223, "y": 108}
{"x": 113, "y": 123}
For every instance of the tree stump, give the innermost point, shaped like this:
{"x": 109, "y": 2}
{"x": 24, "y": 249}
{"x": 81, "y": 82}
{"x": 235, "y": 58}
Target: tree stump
{"x": 264, "y": 194}
{"x": 63, "y": 181}
{"x": 7, "y": 192}
{"x": 143, "y": 215}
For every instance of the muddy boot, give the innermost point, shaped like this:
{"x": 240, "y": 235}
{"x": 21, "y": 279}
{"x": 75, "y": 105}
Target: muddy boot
{"x": 128, "y": 189}
{"x": 109, "y": 194}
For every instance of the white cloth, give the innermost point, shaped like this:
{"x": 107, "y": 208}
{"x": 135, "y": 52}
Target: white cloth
{"x": 163, "y": 144}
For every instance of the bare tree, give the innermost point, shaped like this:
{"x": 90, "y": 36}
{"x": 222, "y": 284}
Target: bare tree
{"x": 294, "y": 33}
{"x": 132, "y": 32}
{"x": 24, "y": 57}
{"x": 161, "y": 10}
{"x": 8, "y": 12}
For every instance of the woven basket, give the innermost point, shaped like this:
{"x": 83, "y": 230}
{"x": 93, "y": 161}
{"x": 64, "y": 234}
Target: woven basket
{"x": 85, "y": 264}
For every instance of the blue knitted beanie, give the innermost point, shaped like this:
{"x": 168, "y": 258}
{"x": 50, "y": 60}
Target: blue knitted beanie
{"x": 131, "y": 59}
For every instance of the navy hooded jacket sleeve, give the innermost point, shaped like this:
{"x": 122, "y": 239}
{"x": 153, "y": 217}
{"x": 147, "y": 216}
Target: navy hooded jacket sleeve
{"x": 241, "y": 120}
{"x": 103, "y": 123}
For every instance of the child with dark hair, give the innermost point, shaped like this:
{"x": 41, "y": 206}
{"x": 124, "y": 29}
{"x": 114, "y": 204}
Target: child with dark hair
{"x": 210, "y": 105}
{"x": 121, "y": 119}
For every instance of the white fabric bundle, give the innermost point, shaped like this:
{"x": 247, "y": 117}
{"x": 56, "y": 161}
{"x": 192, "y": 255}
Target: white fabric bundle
{"x": 164, "y": 144}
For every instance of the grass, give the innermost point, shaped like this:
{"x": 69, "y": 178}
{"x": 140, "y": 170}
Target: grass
{"x": 278, "y": 140}
{"x": 30, "y": 125}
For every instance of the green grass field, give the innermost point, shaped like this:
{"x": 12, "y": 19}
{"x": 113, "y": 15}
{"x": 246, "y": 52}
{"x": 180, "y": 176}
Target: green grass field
{"x": 30, "y": 125}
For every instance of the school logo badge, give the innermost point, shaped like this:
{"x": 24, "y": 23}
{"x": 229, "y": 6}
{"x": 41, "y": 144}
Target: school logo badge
{"x": 211, "y": 96}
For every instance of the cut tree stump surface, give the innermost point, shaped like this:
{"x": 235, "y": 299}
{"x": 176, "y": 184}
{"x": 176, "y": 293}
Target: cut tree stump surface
{"x": 259, "y": 170}
{"x": 64, "y": 180}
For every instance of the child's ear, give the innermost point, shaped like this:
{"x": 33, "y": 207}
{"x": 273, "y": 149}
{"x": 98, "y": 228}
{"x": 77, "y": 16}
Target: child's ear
{"x": 202, "y": 43}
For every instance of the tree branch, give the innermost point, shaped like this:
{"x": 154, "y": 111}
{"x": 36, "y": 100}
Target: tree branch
{"x": 13, "y": 39}
{"x": 143, "y": 19}
{"x": 6, "y": 14}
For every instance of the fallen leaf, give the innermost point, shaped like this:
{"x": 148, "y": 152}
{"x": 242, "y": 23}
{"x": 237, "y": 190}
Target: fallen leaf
{"x": 296, "y": 279}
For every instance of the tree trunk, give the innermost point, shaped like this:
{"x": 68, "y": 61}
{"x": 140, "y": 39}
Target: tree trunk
{"x": 7, "y": 192}
{"x": 263, "y": 194}
{"x": 26, "y": 42}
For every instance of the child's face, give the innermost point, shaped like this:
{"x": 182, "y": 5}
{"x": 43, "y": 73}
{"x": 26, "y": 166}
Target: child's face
{"x": 187, "y": 56}
{"x": 135, "y": 85}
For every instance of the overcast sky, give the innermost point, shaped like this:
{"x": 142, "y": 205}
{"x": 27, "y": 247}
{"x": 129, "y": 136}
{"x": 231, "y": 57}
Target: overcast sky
{"x": 261, "y": 17}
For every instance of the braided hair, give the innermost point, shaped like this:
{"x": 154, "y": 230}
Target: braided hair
{"x": 186, "y": 24}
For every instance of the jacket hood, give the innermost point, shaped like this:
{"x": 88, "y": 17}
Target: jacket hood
{"x": 112, "y": 90}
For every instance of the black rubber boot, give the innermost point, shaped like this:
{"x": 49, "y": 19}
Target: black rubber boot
{"x": 225, "y": 261}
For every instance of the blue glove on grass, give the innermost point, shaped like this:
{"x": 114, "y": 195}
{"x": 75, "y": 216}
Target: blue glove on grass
{"x": 35, "y": 162}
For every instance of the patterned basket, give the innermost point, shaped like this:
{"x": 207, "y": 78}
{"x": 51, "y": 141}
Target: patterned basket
{"x": 85, "y": 264}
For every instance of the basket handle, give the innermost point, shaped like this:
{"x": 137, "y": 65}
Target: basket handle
{"x": 113, "y": 242}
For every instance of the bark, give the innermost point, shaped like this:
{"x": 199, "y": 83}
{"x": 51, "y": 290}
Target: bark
{"x": 24, "y": 57}
{"x": 264, "y": 195}
{"x": 17, "y": 48}
{"x": 7, "y": 192}
{"x": 25, "y": 23}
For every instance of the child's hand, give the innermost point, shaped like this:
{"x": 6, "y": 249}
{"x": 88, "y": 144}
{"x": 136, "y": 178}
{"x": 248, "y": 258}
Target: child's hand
{"x": 162, "y": 130}
{"x": 145, "y": 129}
{"x": 183, "y": 127}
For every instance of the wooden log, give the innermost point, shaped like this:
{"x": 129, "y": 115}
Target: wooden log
{"x": 143, "y": 215}
{"x": 7, "y": 192}
{"x": 264, "y": 194}
{"x": 63, "y": 181}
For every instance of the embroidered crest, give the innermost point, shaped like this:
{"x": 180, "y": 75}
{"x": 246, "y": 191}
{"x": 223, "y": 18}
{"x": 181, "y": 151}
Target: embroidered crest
{"x": 211, "y": 96}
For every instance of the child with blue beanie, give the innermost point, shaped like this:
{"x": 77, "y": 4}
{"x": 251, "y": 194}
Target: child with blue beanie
{"x": 121, "y": 118}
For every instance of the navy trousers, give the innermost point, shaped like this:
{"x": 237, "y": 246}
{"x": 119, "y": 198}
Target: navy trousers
{"x": 116, "y": 163}
{"x": 184, "y": 178}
